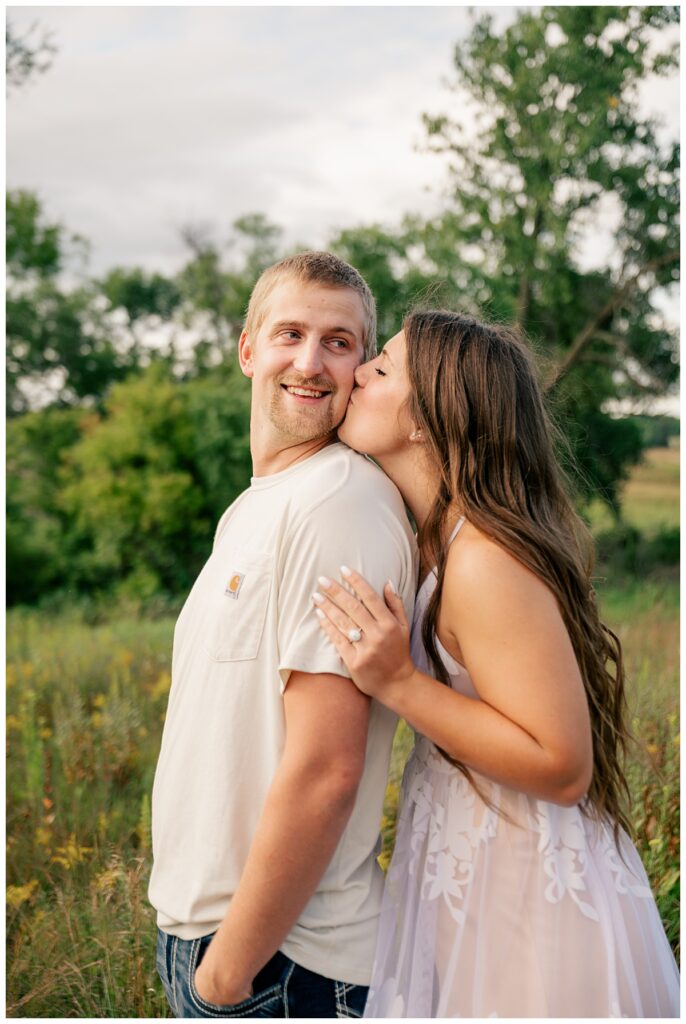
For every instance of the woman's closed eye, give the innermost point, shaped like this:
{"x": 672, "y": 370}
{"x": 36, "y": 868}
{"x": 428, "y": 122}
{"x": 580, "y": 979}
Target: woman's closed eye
{"x": 380, "y": 372}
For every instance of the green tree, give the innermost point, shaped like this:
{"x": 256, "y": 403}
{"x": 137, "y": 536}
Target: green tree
{"x": 559, "y": 141}
{"x": 149, "y": 478}
{"x": 384, "y": 258}
{"x": 58, "y": 348}
{"x": 37, "y": 543}
{"x": 146, "y": 299}
{"x": 219, "y": 288}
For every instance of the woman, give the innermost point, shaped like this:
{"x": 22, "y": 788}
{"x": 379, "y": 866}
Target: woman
{"x": 513, "y": 889}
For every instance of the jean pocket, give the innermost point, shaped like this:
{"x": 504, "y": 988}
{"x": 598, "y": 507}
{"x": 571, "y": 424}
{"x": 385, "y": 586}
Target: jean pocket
{"x": 165, "y": 944}
{"x": 260, "y": 1004}
{"x": 350, "y": 999}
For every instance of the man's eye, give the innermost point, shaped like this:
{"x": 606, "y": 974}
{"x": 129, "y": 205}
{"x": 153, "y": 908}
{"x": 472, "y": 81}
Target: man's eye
{"x": 380, "y": 372}
{"x": 339, "y": 343}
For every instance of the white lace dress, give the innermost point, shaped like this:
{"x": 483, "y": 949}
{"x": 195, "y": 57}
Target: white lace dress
{"x": 530, "y": 915}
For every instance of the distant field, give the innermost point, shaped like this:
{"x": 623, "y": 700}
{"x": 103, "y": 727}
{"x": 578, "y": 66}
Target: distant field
{"x": 650, "y": 498}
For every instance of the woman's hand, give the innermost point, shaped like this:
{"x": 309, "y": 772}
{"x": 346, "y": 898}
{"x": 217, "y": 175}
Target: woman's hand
{"x": 379, "y": 661}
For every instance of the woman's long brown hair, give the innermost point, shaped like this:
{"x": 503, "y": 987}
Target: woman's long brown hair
{"x": 476, "y": 398}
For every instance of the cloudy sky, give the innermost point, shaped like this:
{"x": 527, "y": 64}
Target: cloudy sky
{"x": 155, "y": 117}
{"x": 152, "y": 118}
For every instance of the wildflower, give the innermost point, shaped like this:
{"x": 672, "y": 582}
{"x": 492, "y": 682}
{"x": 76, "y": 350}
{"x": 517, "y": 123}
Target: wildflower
{"x": 43, "y": 836}
{"x": 71, "y": 853}
{"x": 18, "y": 894}
{"x": 161, "y": 687}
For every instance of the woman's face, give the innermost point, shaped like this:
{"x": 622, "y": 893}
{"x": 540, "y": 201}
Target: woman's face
{"x": 377, "y": 422}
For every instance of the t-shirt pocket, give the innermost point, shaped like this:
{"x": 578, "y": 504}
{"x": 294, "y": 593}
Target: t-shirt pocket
{"x": 245, "y": 587}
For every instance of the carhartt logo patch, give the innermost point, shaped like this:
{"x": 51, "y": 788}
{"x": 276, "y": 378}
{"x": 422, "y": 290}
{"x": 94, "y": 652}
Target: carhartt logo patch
{"x": 234, "y": 585}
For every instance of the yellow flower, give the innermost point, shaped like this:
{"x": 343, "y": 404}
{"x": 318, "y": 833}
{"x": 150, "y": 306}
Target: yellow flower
{"x": 43, "y": 836}
{"x": 161, "y": 687}
{"x": 71, "y": 853}
{"x": 99, "y": 700}
{"x": 105, "y": 883}
{"x": 18, "y": 894}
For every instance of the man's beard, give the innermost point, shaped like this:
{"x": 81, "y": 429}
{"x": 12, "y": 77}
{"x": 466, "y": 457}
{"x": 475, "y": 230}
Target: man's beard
{"x": 307, "y": 423}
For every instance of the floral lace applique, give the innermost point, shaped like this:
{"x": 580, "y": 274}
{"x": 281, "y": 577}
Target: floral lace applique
{"x": 447, "y": 858}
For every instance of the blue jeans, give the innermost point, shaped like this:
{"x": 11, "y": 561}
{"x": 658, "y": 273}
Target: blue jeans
{"x": 281, "y": 989}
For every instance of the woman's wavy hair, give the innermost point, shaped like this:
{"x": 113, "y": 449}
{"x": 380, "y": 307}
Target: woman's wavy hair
{"x": 476, "y": 398}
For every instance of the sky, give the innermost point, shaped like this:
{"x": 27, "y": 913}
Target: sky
{"x": 154, "y": 118}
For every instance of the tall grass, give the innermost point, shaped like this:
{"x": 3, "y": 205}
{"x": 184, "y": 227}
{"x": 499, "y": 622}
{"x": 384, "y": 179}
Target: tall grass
{"x": 85, "y": 709}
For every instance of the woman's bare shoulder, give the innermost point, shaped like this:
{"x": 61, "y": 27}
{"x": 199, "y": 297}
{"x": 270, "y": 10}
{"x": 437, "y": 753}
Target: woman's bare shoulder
{"x": 479, "y": 565}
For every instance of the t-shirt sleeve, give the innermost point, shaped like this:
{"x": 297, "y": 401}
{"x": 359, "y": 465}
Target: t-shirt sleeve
{"x": 330, "y": 536}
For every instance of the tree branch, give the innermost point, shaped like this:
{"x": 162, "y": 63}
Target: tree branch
{"x": 586, "y": 335}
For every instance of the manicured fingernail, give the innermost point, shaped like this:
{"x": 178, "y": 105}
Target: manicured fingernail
{"x": 324, "y": 581}
{"x": 392, "y": 586}
{"x": 345, "y": 571}
{"x": 318, "y": 598}
{"x": 319, "y": 613}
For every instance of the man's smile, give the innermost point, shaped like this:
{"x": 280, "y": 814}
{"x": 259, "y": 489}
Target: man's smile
{"x": 308, "y": 395}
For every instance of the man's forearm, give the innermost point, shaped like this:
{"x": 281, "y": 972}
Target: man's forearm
{"x": 300, "y": 826}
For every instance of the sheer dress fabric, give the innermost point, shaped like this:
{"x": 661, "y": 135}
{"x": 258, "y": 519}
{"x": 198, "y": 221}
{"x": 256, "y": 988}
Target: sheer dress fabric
{"x": 530, "y": 913}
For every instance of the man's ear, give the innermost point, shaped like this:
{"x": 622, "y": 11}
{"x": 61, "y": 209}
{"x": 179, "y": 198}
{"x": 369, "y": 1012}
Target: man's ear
{"x": 245, "y": 354}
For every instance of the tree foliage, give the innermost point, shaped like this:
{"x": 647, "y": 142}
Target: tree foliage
{"x": 149, "y": 477}
{"x": 561, "y": 145}
{"x": 220, "y": 288}
{"x": 37, "y": 526}
{"x": 26, "y": 55}
{"x": 58, "y": 349}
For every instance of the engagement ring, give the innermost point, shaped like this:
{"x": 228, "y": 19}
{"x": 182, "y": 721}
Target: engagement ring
{"x": 354, "y": 635}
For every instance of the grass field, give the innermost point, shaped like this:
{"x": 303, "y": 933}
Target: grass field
{"x": 650, "y": 498}
{"x": 85, "y": 706}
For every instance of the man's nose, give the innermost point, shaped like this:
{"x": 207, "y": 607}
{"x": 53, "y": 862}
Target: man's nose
{"x": 308, "y": 358}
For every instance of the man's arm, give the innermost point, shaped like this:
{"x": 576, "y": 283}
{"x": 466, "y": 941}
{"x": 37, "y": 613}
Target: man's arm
{"x": 307, "y": 807}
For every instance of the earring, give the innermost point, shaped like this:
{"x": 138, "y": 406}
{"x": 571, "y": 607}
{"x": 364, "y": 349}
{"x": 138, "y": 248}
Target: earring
{"x": 416, "y": 435}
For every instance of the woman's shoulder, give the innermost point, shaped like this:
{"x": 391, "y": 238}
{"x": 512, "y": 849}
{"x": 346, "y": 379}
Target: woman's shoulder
{"x": 481, "y": 566}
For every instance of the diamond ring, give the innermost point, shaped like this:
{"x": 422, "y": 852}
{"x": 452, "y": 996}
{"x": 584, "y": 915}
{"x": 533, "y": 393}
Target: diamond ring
{"x": 354, "y": 635}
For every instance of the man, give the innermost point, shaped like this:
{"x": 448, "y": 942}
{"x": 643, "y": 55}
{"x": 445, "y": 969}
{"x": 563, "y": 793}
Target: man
{"x": 269, "y": 787}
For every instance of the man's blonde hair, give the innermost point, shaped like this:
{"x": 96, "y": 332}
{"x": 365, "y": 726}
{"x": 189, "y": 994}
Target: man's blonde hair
{"x": 317, "y": 268}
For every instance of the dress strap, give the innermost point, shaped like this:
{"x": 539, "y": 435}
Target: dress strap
{"x": 458, "y": 526}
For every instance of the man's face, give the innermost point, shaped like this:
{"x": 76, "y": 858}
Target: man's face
{"x": 302, "y": 360}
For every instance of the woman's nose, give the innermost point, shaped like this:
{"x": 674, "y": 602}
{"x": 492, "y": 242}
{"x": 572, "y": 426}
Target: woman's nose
{"x": 361, "y": 375}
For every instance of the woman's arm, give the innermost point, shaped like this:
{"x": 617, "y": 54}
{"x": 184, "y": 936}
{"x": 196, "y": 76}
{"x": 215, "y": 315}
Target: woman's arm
{"x": 531, "y": 728}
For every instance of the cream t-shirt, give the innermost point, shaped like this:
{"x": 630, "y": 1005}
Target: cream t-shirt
{"x": 246, "y": 625}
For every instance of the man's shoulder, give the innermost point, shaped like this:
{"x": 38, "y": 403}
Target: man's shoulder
{"x": 343, "y": 476}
